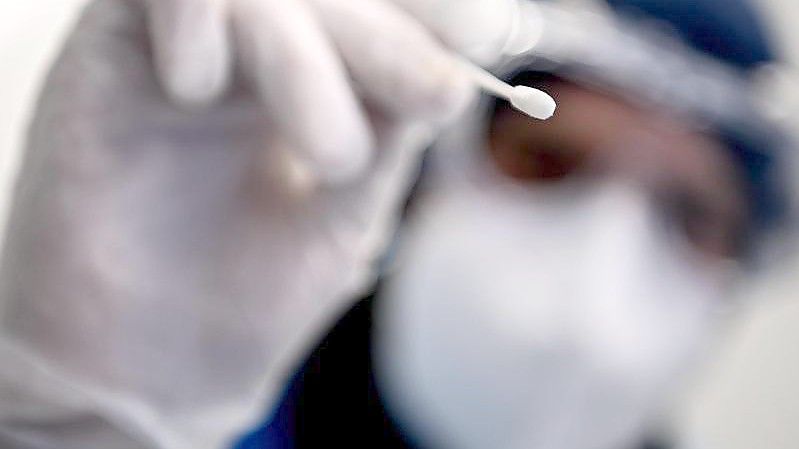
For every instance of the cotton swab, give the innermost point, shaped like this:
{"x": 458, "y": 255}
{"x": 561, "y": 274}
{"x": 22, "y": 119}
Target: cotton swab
{"x": 530, "y": 101}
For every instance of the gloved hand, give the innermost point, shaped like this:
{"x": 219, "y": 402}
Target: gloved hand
{"x": 166, "y": 266}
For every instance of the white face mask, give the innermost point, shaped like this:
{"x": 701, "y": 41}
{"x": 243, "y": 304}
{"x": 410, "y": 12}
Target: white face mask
{"x": 539, "y": 319}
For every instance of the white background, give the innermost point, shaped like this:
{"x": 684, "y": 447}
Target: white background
{"x": 748, "y": 396}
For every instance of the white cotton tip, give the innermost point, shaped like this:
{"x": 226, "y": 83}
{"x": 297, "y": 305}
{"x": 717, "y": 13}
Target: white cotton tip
{"x": 533, "y": 102}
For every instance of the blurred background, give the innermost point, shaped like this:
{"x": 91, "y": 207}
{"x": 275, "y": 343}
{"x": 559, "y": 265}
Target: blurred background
{"x": 748, "y": 394}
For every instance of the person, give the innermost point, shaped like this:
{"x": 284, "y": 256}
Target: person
{"x": 208, "y": 185}
{"x": 554, "y": 282}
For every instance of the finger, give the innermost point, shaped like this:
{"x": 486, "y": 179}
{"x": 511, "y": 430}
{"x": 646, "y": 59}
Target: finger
{"x": 304, "y": 85}
{"x": 394, "y": 61}
{"x": 367, "y": 212}
{"x": 190, "y": 46}
{"x": 478, "y": 29}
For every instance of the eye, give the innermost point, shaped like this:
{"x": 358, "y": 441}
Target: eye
{"x": 707, "y": 227}
{"x": 526, "y": 150}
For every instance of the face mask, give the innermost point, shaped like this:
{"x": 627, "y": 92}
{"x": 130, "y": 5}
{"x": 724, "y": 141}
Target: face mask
{"x": 539, "y": 319}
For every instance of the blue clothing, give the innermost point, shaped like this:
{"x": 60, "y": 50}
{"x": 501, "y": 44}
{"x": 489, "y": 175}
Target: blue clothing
{"x": 277, "y": 430}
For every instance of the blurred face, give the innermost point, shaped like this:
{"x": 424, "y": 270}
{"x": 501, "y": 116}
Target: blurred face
{"x": 687, "y": 175}
{"x": 553, "y": 300}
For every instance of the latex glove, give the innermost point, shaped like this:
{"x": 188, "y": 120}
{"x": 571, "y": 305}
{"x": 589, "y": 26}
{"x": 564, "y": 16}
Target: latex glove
{"x": 479, "y": 29}
{"x": 192, "y": 51}
{"x": 392, "y": 60}
{"x": 166, "y": 268}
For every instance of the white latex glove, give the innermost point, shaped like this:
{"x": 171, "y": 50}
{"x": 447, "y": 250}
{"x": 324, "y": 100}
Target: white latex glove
{"x": 166, "y": 267}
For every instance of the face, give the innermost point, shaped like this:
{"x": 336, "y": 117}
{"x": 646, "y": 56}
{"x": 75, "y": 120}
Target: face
{"x": 553, "y": 298}
{"x": 687, "y": 175}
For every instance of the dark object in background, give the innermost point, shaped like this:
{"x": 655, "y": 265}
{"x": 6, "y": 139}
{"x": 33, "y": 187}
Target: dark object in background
{"x": 333, "y": 402}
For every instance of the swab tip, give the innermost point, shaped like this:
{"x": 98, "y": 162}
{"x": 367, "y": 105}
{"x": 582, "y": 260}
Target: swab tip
{"x": 533, "y": 102}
